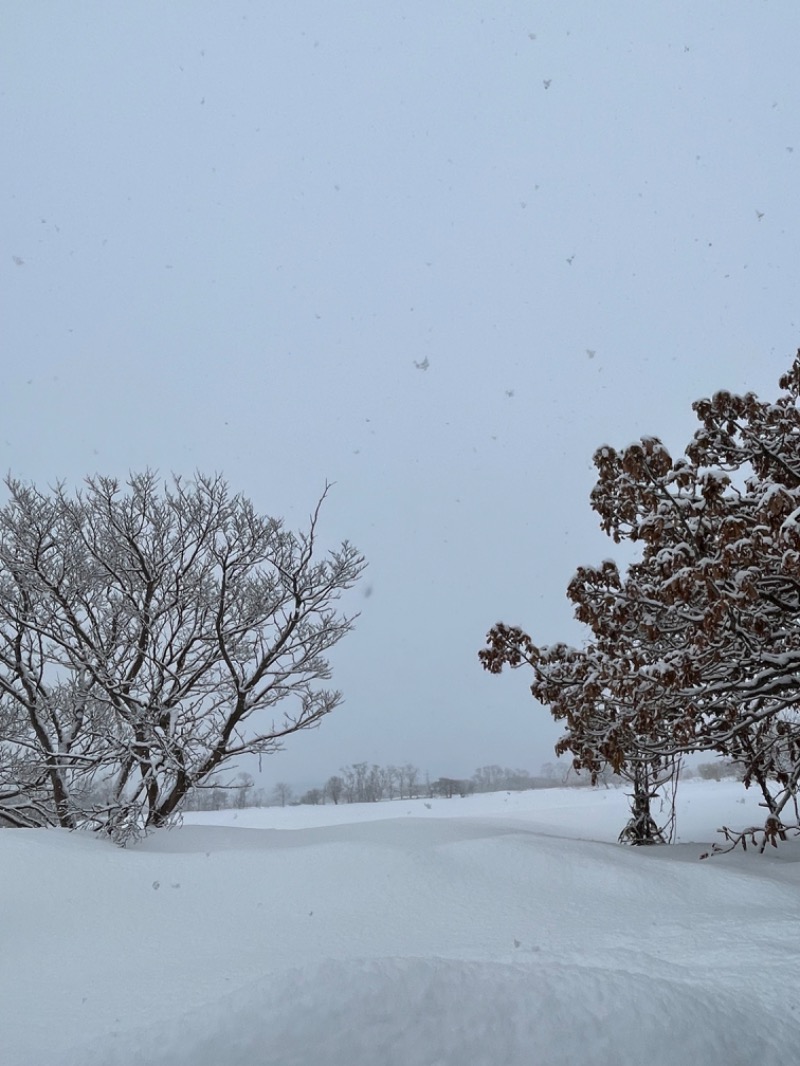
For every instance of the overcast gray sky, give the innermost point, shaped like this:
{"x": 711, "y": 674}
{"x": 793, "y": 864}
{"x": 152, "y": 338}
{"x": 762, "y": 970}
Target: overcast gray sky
{"x": 232, "y": 230}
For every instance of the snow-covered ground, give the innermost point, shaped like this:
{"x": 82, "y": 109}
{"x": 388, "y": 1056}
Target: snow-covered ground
{"x": 507, "y": 929}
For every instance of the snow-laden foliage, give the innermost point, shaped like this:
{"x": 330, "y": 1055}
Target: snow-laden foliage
{"x": 696, "y": 647}
{"x": 146, "y": 635}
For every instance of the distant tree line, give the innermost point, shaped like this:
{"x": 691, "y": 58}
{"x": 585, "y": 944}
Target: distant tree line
{"x": 363, "y": 782}
{"x": 380, "y": 783}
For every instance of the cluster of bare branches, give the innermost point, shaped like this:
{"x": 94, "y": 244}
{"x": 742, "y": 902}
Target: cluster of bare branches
{"x": 759, "y": 836}
{"x": 696, "y": 646}
{"x": 148, "y": 634}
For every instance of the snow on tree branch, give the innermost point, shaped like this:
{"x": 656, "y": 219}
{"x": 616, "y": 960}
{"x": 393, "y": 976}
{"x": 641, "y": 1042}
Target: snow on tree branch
{"x": 696, "y": 647}
{"x": 148, "y": 635}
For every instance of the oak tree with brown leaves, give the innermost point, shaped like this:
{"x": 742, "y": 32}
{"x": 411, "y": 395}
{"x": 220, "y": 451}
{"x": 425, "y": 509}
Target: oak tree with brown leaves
{"x": 696, "y": 647}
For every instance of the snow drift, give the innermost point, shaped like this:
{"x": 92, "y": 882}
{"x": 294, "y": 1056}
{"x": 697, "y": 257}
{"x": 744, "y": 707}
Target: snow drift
{"x": 483, "y": 930}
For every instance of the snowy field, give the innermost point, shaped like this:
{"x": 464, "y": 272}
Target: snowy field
{"x": 505, "y": 929}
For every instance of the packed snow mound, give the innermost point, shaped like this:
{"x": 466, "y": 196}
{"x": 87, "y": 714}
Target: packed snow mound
{"x": 421, "y": 933}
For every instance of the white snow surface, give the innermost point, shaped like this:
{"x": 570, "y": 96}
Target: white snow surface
{"x": 504, "y": 929}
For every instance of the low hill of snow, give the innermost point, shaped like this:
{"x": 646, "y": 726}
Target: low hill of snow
{"x": 504, "y": 929}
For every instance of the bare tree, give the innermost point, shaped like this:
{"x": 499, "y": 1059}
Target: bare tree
{"x": 349, "y": 784}
{"x": 149, "y": 636}
{"x": 334, "y": 787}
{"x": 282, "y": 793}
{"x": 389, "y": 779}
{"x": 362, "y": 783}
{"x": 488, "y": 778}
{"x": 411, "y": 777}
{"x": 244, "y": 789}
{"x": 451, "y": 786}
{"x": 375, "y": 784}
